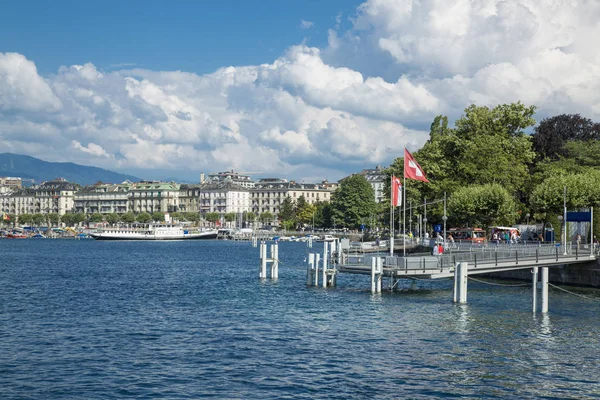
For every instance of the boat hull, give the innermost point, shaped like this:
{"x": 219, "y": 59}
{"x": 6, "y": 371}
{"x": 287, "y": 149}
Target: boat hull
{"x": 189, "y": 236}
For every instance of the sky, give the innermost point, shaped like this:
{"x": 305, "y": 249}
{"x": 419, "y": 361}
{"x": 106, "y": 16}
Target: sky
{"x": 305, "y": 90}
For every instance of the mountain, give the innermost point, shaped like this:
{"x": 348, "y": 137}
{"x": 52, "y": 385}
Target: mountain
{"x": 30, "y": 168}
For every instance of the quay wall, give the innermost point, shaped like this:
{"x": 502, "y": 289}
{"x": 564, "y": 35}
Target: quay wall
{"x": 585, "y": 275}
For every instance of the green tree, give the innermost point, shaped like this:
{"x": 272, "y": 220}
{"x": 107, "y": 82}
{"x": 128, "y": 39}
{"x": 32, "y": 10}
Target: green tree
{"x": 230, "y": 217}
{"x": 266, "y": 217}
{"x": 38, "y": 219}
{"x": 78, "y": 218}
{"x": 212, "y": 217}
{"x": 143, "y": 217}
{"x": 191, "y": 216}
{"x": 286, "y": 214}
{"x": 25, "y": 219}
{"x": 304, "y": 212}
{"x": 175, "y": 216}
{"x": 482, "y": 206}
{"x": 353, "y": 202}
{"x": 67, "y": 219}
{"x": 96, "y": 217}
{"x": 54, "y": 219}
{"x": 158, "y": 216}
{"x": 128, "y": 217}
{"x": 112, "y": 218}
{"x": 552, "y": 134}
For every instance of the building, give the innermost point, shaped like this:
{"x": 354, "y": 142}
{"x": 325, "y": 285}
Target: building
{"x": 103, "y": 199}
{"x": 153, "y": 196}
{"x": 232, "y": 177}
{"x": 269, "y": 194}
{"x": 52, "y": 197}
{"x": 224, "y": 198}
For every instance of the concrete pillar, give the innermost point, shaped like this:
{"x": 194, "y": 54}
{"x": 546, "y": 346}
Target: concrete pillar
{"x": 460, "y": 282}
{"x": 310, "y": 269}
{"x": 317, "y": 261}
{"x": 373, "y": 268}
{"x": 544, "y": 289}
{"x": 275, "y": 261}
{"x": 325, "y": 257}
{"x": 379, "y": 273}
{"x": 534, "y": 288}
{"x": 263, "y": 260}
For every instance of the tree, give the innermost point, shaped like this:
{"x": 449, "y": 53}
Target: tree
{"x": 212, "y": 217}
{"x": 143, "y": 217}
{"x": 482, "y": 205}
{"x": 286, "y": 214}
{"x": 552, "y": 134}
{"x": 191, "y": 216}
{"x": 25, "y": 219}
{"x": 128, "y": 217}
{"x": 158, "y": 216}
{"x": 176, "y": 216}
{"x": 79, "y": 217}
{"x": 53, "y": 218}
{"x": 304, "y": 212}
{"x": 38, "y": 219}
{"x": 67, "y": 219}
{"x": 96, "y": 217}
{"x": 353, "y": 202}
{"x": 266, "y": 217}
{"x": 112, "y": 218}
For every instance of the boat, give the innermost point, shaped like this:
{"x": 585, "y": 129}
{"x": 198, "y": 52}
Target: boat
{"x": 151, "y": 232}
{"x": 15, "y": 235}
{"x": 326, "y": 238}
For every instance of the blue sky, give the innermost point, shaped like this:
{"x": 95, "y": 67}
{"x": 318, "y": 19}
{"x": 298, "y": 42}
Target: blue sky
{"x": 306, "y": 90}
{"x": 192, "y": 36}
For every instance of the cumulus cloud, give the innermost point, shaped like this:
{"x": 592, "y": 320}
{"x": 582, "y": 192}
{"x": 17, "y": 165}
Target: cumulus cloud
{"x": 330, "y": 111}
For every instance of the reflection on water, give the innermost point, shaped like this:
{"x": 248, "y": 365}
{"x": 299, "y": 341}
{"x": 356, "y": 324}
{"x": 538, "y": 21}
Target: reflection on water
{"x": 84, "y": 319}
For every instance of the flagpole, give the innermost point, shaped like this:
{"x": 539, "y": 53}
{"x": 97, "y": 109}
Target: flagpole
{"x": 391, "y": 215}
{"x": 404, "y": 216}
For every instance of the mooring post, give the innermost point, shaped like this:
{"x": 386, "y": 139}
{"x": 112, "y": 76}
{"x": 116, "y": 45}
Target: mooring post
{"x": 263, "y": 260}
{"x": 254, "y": 241}
{"x": 379, "y": 273}
{"x": 317, "y": 261}
{"x": 544, "y": 289}
{"x": 325, "y": 257}
{"x": 275, "y": 261}
{"x": 310, "y": 269}
{"x": 309, "y": 242}
{"x": 460, "y": 282}
{"x": 534, "y": 273}
{"x": 373, "y": 267}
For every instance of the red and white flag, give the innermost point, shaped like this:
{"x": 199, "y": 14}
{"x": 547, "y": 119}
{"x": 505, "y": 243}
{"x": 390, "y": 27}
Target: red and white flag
{"x": 412, "y": 169}
{"x": 396, "y": 192}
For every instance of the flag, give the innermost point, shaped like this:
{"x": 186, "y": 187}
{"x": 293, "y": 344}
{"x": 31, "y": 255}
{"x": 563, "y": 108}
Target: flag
{"x": 412, "y": 169}
{"x": 396, "y": 192}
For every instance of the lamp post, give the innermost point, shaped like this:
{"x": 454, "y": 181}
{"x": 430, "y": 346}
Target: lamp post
{"x": 444, "y": 218}
{"x": 562, "y": 228}
{"x": 527, "y": 216}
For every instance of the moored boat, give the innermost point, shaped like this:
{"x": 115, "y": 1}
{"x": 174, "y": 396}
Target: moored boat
{"x": 152, "y": 232}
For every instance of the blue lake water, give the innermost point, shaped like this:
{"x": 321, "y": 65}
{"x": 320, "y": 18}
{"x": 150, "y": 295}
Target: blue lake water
{"x": 174, "y": 320}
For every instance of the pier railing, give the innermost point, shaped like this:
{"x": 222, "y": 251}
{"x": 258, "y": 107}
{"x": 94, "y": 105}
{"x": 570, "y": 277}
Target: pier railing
{"x": 488, "y": 255}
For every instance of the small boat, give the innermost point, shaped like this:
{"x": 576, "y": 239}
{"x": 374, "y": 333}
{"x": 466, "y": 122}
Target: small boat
{"x": 326, "y": 238}
{"x": 16, "y": 235}
{"x": 152, "y": 232}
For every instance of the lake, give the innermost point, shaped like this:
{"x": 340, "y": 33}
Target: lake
{"x": 84, "y": 319}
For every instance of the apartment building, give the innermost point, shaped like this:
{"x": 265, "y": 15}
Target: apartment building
{"x": 269, "y": 194}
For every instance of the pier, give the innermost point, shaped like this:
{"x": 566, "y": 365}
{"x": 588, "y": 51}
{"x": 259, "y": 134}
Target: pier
{"x": 459, "y": 264}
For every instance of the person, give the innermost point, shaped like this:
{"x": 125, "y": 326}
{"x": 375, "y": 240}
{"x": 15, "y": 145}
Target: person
{"x": 578, "y": 241}
{"x": 440, "y": 249}
{"x": 451, "y": 238}
{"x": 436, "y": 250}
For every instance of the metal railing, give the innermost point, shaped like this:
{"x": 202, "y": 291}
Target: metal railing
{"x": 490, "y": 255}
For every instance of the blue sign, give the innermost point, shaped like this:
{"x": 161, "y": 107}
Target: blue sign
{"x": 579, "y": 216}
{"x": 362, "y": 227}
{"x": 437, "y": 228}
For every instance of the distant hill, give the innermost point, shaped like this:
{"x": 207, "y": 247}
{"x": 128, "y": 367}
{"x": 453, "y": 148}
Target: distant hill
{"x": 27, "y": 167}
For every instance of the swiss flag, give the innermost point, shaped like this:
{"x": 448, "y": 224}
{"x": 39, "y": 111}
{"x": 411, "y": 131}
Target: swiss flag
{"x": 412, "y": 169}
{"x": 396, "y": 192}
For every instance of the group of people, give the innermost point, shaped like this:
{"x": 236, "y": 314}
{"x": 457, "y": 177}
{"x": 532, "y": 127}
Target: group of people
{"x": 507, "y": 237}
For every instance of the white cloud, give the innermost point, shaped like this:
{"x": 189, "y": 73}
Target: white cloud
{"x": 306, "y": 24}
{"x": 356, "y": 103}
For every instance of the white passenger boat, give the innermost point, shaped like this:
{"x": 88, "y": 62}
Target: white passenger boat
{"x": 152, "y": 232}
